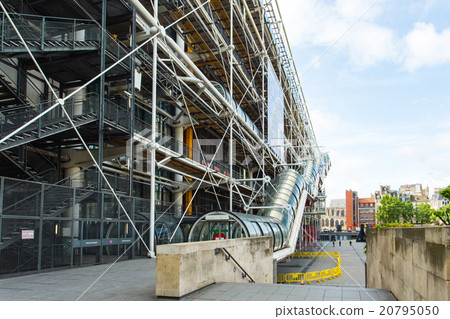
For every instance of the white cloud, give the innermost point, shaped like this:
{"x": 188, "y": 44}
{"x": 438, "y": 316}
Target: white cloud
{"x": 425, "y": 47}
{"x": 327, "y": 123}
{"x": 315, "y": 23}
{"x": 353, "y": 30}
{"x": 406, "y": 144}
{"x": 369, "y": 44}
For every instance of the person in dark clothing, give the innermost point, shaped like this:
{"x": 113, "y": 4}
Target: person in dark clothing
{"x": 350, "y": 242}
{"x": 339, "y": 243}
{"x": 333, "y": 243}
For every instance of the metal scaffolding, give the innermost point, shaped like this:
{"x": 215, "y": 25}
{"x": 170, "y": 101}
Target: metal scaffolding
{"x": 170, "y": 97}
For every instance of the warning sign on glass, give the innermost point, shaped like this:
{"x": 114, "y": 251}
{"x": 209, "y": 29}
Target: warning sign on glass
{"x": 27, "y": 234}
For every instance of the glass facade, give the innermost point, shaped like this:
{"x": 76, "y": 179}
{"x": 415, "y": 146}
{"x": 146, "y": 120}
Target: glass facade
{"x": 45, "y": 226}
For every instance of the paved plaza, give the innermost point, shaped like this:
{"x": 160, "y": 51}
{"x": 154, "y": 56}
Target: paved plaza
{"x": 134, "y": 280}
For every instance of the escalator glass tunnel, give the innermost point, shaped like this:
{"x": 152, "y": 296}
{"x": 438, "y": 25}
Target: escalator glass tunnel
{"x": 275, "y": 220}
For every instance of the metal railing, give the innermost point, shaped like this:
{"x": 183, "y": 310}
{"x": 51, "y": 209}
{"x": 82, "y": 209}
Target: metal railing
{"x": 228, "y": 256}
{"x": 50, "y": 33}
{"x": 88, "y": 178}
{"x": 75, "y": 107}
{"x": 318, "y": 276}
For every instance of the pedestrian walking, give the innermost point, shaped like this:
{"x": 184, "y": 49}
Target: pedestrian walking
{"x": 333, "y": 243}
{"x": 339, "y": 243}
{"x": 350, "y": 242}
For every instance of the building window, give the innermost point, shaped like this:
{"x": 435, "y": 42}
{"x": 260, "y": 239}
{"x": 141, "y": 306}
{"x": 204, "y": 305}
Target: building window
{"x": 332, "y": 212}
{"x": 343, "y": 213}
{"x": 327, "y": 223}
{"x": 332, "y": 222}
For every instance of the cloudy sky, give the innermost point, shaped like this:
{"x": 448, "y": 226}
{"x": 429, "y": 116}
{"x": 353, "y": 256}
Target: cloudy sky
{"x": 376, "y": 78}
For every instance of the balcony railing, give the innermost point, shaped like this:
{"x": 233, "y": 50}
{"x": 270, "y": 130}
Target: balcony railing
{"x": 50, "y": 33}
{"x": 75, "y": 106}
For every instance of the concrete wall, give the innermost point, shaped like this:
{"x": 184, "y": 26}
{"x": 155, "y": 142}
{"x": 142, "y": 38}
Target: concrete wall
{"x": 413, "y": 263}
{"x": 187, "y": 267}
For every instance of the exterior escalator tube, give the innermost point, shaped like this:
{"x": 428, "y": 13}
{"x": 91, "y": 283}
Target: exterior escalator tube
{"x": 283, "y": 200}
{"x": 285, "y": 205}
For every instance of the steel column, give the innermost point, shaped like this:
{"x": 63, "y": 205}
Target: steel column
{"x": 132, "y": 101}
{"x": 41, "y": 216}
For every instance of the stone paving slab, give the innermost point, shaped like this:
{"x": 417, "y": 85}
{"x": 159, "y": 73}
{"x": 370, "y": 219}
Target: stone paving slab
{"x": 134, "y": 280}
{"x": 352, "y": 258}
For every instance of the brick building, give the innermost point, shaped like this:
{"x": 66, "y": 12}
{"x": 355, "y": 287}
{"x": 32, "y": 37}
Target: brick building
{"x": 359, "y": 211}
{"x": 366, "y": 209}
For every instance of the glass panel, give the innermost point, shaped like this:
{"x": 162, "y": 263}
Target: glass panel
{"x": 139, "y": 248}
{"x": 111, "y": 207}
{"x": 125, "y": 252}
{"x": 91, "y": 255}
{"x": 58, "y": 201}
{"x": 77, "y": 257}
{"x": 196, "y": 230}
{"x": 110, "y": 253}
{"x": 87, "y": 204}
{"x": 265, "y": 230}
{"x": 257, "y": 228}
{"x": 21, "y": 198}
{"x": 91, "y": 230}
{"x": 252, "y": 232}
{"x": 20, "y": 240}
{"x": 110, "y": 229}
{"x": 142, "y": 209}
{"x": 236, "y": 230}
{"x": 126, "y": 230}
{"x": 127, "y": 203}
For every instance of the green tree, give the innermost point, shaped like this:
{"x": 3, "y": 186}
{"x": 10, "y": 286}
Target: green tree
{"x": 445, "y": 192}
{"x": 407, "y": 211}
{"x": 390, "y": 209}
{"x": 443, "y": 213}
{"x": 423, "y": 213}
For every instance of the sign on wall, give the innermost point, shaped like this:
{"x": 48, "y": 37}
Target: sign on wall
{"x": 28, "y": 234}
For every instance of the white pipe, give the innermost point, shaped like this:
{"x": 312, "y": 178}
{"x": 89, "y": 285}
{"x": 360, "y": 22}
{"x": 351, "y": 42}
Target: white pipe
{"x": 151, "y": 253}
{"x": 174, "y": 46}
{"x": 231, "y": 99}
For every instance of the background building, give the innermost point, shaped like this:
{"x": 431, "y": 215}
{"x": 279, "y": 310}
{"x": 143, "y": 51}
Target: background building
{"x": 359, "y": 210}
{"x": 351, "y": 210}
{"x": 414, "y": 193}
{"x": 335, "y": 215}
{"x": 366, "y": 208}
{"x": 437, "y": 201}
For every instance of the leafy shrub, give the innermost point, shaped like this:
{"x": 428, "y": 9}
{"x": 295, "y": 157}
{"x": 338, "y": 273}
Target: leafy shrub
{"x": 388, "y": 225}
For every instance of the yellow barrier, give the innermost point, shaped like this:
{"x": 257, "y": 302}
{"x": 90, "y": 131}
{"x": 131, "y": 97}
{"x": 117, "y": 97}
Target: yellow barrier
{"x": 313, "y": 275}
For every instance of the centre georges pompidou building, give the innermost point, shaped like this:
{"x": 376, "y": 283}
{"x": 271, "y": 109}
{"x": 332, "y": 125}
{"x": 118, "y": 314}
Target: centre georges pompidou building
{"x": 127, "y": 124}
